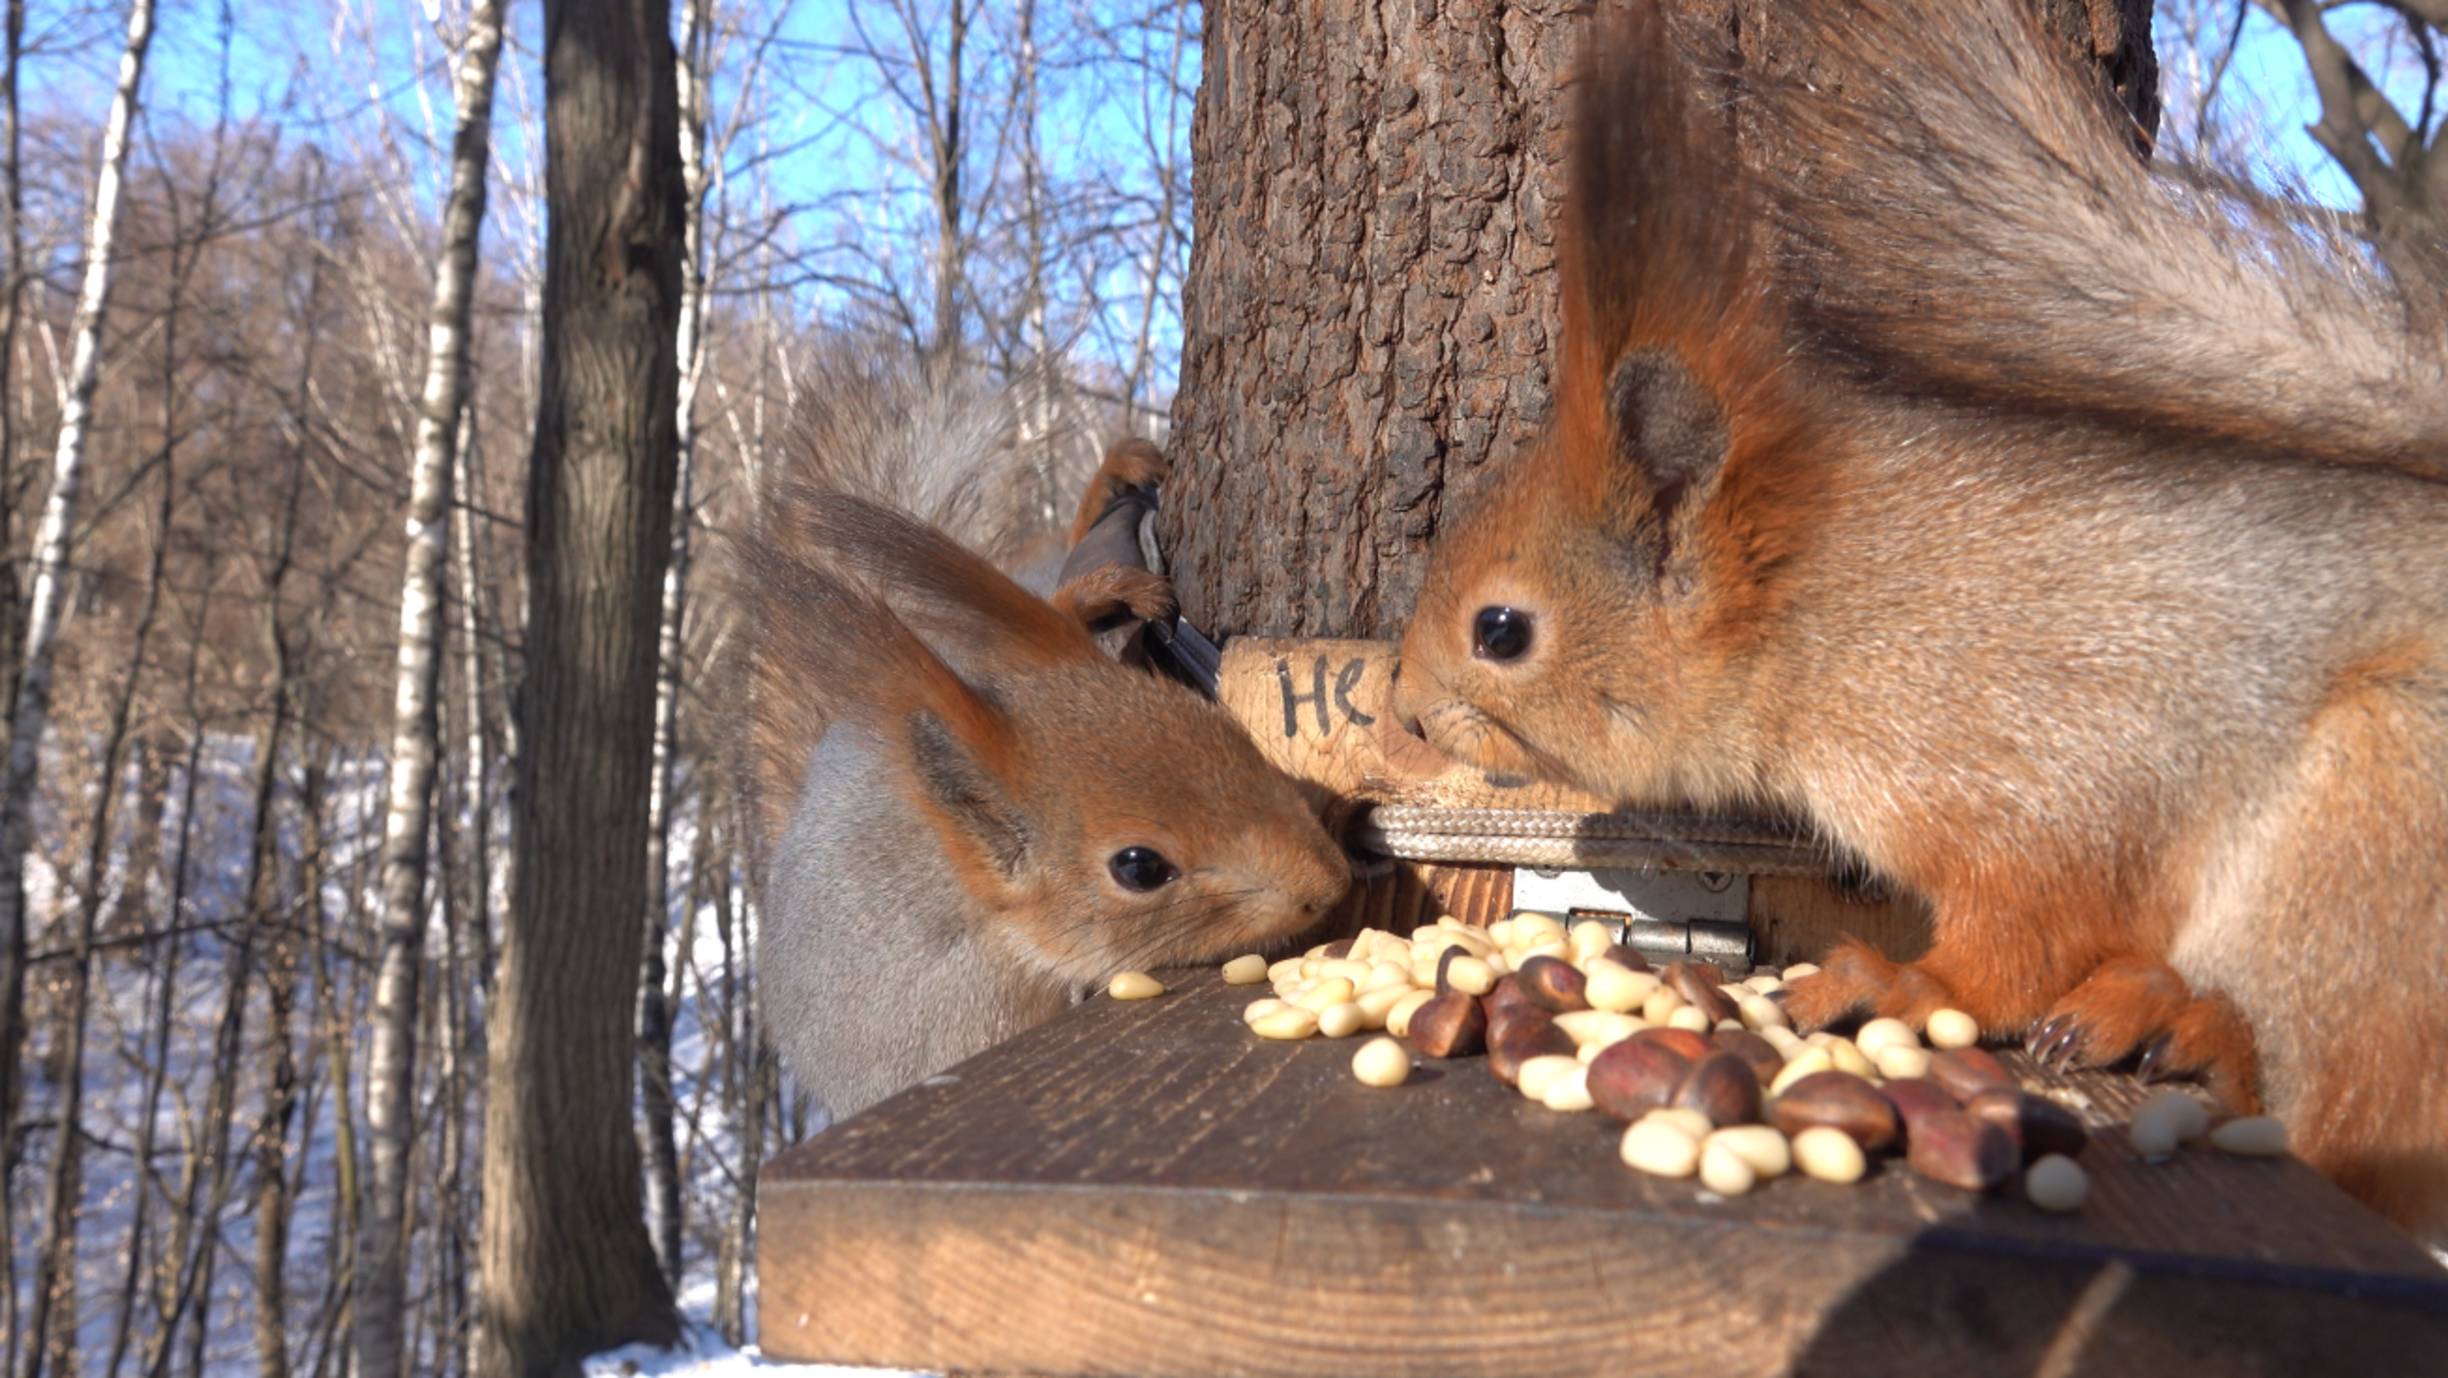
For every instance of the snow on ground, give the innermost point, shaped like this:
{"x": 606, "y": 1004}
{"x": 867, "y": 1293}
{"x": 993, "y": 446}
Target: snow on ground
{"x": 117, "y": 1103}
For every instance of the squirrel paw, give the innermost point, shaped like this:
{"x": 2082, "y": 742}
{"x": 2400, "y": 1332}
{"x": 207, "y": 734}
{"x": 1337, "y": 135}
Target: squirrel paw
{"x": 1853, "y": 979}
{"x": 2137, "y": 1004}
{"x": 1107, "y": 592}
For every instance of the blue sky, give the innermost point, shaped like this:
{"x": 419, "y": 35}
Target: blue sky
{"x": 305, "y": 65}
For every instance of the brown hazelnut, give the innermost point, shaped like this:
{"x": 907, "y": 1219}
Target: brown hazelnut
{"x": 1449, "y": 1025}
{"x": 1632, "y": 1078}
{"x": 2037, "y": 1125}
{"x": 1838, "y": 1100}
{"x": 1954, "y": 1148}
{"x": 1554, "y": 985}
{"x": 1722, "y": 1087}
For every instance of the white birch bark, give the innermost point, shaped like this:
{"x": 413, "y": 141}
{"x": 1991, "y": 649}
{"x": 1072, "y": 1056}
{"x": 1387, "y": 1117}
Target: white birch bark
{"x": 391, "y": 1071}
{"x": 46, "y": 605}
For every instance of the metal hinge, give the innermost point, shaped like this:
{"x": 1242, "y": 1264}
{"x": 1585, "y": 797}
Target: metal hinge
{"x": 1665, "y": 916}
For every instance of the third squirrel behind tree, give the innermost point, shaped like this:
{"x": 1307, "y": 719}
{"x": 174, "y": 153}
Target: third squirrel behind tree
{"x": 2073, "y": 551}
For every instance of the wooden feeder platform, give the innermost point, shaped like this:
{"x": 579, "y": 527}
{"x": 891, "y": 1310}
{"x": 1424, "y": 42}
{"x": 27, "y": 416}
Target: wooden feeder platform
{"x": 1147, "y": 1189}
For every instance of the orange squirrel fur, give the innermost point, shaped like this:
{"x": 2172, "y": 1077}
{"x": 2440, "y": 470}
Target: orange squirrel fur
{"x": 965, "y": 812}
{"x": 2110, "y": 614}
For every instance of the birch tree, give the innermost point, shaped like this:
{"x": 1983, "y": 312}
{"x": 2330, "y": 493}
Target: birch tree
{"x": 391, "y": 1077}
{"x": 47, "y": 604}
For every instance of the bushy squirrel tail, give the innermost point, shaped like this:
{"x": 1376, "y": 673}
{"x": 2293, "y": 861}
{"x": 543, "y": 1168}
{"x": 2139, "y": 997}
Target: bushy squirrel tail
{"x": 1968, "y": 220}
{"x": 957, "y": 454}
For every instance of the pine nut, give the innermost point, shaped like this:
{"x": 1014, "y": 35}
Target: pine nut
{"x": 2257, "y": 1136}
{"x": 1346, "y": 968}
{"x": 1765, "y": 985}
{"x": 1538, "y": 1073}
{"x": 1885, "y": 1033}
{"x": 1569, "y": 1091}
{"x": 1952, "y": 1029}
{"x": 1589, "y": 940}
{"x": 1286, "y": 970}
{"x": 1688, "y": 1120}
{"x": 1376, "y": 1005}
{"x": 1799, "y": 970}
{"x": 1341, "y": 1021}
{"x": 1899, "y": 1063}
{"x": 1470, "y": 975}
{"x": 1690, "y": 1017}
{"x": 1259, "y": 1009}
{"x": 1601, "y": 1027}
{"x": 1800, "y": 1065}
{"x": 1384, "y": 974}
{"x": 1663, "y": 1001}
{"x": 1245, "y": 971}
{"x": 1760, "y": 1012}
{"x": 1325, "y": 993}
{"x": 1761, "y": 1147}
{"x": 2155, "y": 1130}
{"x": 1617, "y": 988}
{"x": 1134, "y": 985}
{"x": 1723, "y": 1171}
{"x": 1849, "y": 1058}
{"x": 1829, "y": 1155}
{"x": 1289, "y": 1022}
{"x": 2190, "y": 1116}
{"x": 1382, "y": 1062}
{"x": 2056, "y": 1183}
{"x": 1661, "y": 1149}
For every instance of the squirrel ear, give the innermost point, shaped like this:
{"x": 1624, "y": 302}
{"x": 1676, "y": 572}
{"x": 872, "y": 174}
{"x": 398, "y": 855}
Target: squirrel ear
{"x": 1666, "y": 423}
{"x": 954, "y": 774}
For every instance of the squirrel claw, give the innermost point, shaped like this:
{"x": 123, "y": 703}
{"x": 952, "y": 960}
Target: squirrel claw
{"x": 2154, "y": 1062}
{"x": 2061, "y": 1042}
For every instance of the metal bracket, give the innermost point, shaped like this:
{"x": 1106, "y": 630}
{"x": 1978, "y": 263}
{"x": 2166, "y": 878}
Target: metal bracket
{"x": 1664, "y": 915}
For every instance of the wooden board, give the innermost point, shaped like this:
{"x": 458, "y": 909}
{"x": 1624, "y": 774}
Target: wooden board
{"x": 1146, "y": 1189}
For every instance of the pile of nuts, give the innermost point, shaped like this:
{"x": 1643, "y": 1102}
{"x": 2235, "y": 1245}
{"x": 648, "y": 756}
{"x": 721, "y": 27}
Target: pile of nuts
{"x": 1708, "y": 1075}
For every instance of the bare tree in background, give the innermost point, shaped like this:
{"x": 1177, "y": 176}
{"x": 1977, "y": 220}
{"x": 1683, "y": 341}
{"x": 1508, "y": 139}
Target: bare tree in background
{"x": 47, "y": 605}
{"x": 2394, "y": 160}
{"x": 381, "y": 1264}
{"x": 566, "y": 1265}
{"x": 665, "y": 1206}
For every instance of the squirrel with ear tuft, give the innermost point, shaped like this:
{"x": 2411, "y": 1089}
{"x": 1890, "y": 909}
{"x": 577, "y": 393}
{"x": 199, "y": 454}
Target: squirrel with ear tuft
{"x": 963, "y": 810}
{"x": 2073, "y": 551}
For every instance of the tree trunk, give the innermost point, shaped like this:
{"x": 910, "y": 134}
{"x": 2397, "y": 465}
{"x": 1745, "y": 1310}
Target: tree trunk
{"x": 31, "y": 713}
{"x": 665, "y": 1204}
{"x": 567, "y": 1268}
{"x": 381, "y": 1267}
{"x": 1370, "y": 309}
{"x": 53, "y": 1336}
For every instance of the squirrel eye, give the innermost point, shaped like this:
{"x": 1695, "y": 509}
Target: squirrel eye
{"x": 1500, "y": 634}
{"x": 1141, "y": 868}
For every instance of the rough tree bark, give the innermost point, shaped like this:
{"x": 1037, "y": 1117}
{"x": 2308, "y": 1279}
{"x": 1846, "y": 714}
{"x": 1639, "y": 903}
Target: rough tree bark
{"x": 31, "y": 714}
{"x": 1370, "y": 303}
{"x": 381, "y": 1263}
{"x": 566, "y": 1264}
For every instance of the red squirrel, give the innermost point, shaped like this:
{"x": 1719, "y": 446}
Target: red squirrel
{"x": 964, "y": 811}
{"x": 2068, "y": 545}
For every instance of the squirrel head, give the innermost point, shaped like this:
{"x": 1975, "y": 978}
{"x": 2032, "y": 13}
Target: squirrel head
{"x": 1595, "y": 619}
{"x": 1097, "y": 816}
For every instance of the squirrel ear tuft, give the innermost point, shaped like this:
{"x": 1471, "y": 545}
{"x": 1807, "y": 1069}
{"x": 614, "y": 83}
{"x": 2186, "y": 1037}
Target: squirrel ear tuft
{"x": 952, "y": 759}
{"x": 1665, "y": 422}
